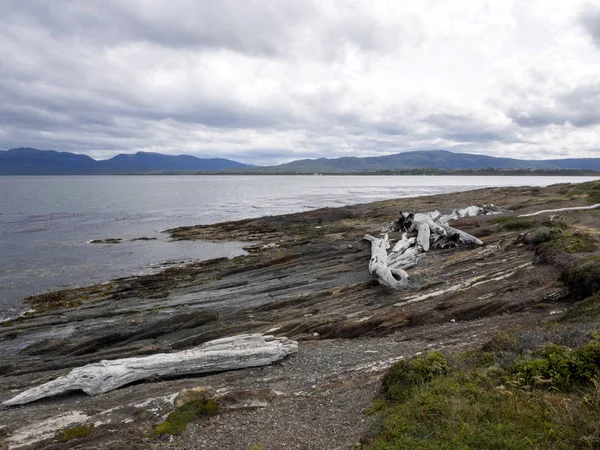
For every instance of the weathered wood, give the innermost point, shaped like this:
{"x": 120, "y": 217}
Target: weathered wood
{"x": 250, "y": 350}
{"x": 432, "y": 229}
{"x": 463, "y": 238}
{"x": 423, "y": 235}
{"x": 572, "y": 208}
{"x": 378, "y": 264}
{"x": 406, "y": 260}
{"x": 403, "y": 244}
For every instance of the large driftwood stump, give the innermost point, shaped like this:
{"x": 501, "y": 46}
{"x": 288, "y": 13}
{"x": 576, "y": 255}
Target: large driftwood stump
{"x": 250, "y": 350}
{"x": 432, "y": 231}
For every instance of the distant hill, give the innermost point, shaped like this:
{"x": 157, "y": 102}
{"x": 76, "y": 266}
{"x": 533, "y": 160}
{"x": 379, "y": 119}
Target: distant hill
{"x": 31, "y": 161}
{"x": 157, "y": 162}
{"x": 431, "y": 159}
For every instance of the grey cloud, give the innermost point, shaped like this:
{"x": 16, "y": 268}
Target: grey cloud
{"x": 459, "y": 127}
{"x": 589, "y": 18}
{"x": 579, "y": 106}
{"x": 260, "y": 27}
{"x": 257, "y": 79}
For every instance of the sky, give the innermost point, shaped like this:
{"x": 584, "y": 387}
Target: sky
{"x": 270, "y": 81}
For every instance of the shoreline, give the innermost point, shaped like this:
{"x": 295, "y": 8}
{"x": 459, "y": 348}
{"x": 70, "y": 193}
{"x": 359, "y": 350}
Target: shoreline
{"x": 73, "y": 273}
{"x": 305, "y": 278}
{"x": 407, "y": 172}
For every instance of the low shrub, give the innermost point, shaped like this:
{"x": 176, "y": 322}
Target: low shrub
{"x": 559, "y": 367}
{"x": 511, "y": 223}
{"x": 178, "y": 420}
{"x": 587, "y": 310}
{"x": 553, "y": 249}
{"x": 590, "y": 191}
{"x": 543, "y": 234}
{"x": 471, "y": 402}
{"x": 404, "y": 375}
{"x": 582, "y": 276}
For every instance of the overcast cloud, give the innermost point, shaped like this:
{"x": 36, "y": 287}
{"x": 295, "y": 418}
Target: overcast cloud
{"x": 265, "y": 81}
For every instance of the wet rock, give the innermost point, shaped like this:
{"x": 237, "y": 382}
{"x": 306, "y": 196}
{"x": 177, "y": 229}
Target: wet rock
{"x": 106, "y": 241}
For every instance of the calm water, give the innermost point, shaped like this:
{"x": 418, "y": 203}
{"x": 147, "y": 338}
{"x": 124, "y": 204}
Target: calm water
{"x": 45, "y": 222}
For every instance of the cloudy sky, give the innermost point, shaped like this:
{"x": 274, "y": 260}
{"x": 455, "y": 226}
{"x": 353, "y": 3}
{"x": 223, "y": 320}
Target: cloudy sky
{"x": 268, "y": 81}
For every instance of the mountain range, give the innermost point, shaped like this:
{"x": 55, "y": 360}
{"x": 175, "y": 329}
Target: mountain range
{"x": 29, "y": 161}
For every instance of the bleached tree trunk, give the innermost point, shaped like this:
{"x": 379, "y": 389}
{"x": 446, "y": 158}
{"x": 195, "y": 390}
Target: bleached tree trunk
{"x": 378, "y": 264}
{"x": 572, "y": 208}
{"x": 431, "y": 228}
{"x": 250, "y": 350}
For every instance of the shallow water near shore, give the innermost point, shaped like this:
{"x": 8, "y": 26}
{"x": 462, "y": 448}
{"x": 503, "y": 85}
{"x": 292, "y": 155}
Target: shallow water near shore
{"x": 46, "y": 222}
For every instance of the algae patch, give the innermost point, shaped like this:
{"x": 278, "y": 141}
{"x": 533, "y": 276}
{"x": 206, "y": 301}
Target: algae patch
{"x": 177, "y": 421}
{"x": 76, "y": 432}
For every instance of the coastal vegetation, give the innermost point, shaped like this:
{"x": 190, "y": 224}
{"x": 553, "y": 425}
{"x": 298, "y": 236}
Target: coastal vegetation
{"x": 589, "y": 191}
{"x": 529, "y": 388}
{"x": 177, "y": 421}
{"x": 512, "y": 223}
{"x": 75, "y": 432}
{"x": 512, "y": 396}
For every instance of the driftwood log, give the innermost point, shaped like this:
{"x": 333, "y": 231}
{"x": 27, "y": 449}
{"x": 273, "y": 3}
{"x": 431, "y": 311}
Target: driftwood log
{"x": 571, "y": 208}
{"x": 432, "y": 231}
{"x": 250, "y": 350}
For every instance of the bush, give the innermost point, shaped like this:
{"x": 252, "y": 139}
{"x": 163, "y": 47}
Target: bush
{"x": 553, "y": 250}
{"x": 470, "y": 402}
{"x": 404, "y": 375}
{"x": 543, "y": 234}
{"x": 587, "y": 310}
{"x": 560, "y": 367}
{"x": 582, "y": 276}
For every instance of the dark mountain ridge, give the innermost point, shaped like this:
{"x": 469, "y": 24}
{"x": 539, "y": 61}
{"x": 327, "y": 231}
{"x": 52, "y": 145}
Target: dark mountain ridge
{"x": 429, "y": 159}
{"x": 29, "y": 161}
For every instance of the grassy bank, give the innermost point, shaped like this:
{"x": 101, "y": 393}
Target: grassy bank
{"x": 511, "y": 395}
{"x": 537, "y": 388}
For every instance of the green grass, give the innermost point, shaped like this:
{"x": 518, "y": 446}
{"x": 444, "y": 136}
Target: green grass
{"x": 178, "y": 420}
{"x": 474, "y": 400}
{"x": 590, "y": 191}
{"x": 511, "y": 223}
{"x": 76, "y": 432}
{"x": 587, "y": 310}
{"x": 553, "y": 244}
{"x": 559, "y": 367}
{"x": 582, "y": 276}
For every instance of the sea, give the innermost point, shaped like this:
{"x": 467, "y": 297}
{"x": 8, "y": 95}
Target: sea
{"x": 47, "y": 222}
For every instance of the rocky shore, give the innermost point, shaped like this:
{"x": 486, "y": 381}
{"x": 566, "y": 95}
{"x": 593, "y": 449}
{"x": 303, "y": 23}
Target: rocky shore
{"x": 305, "y": 277}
